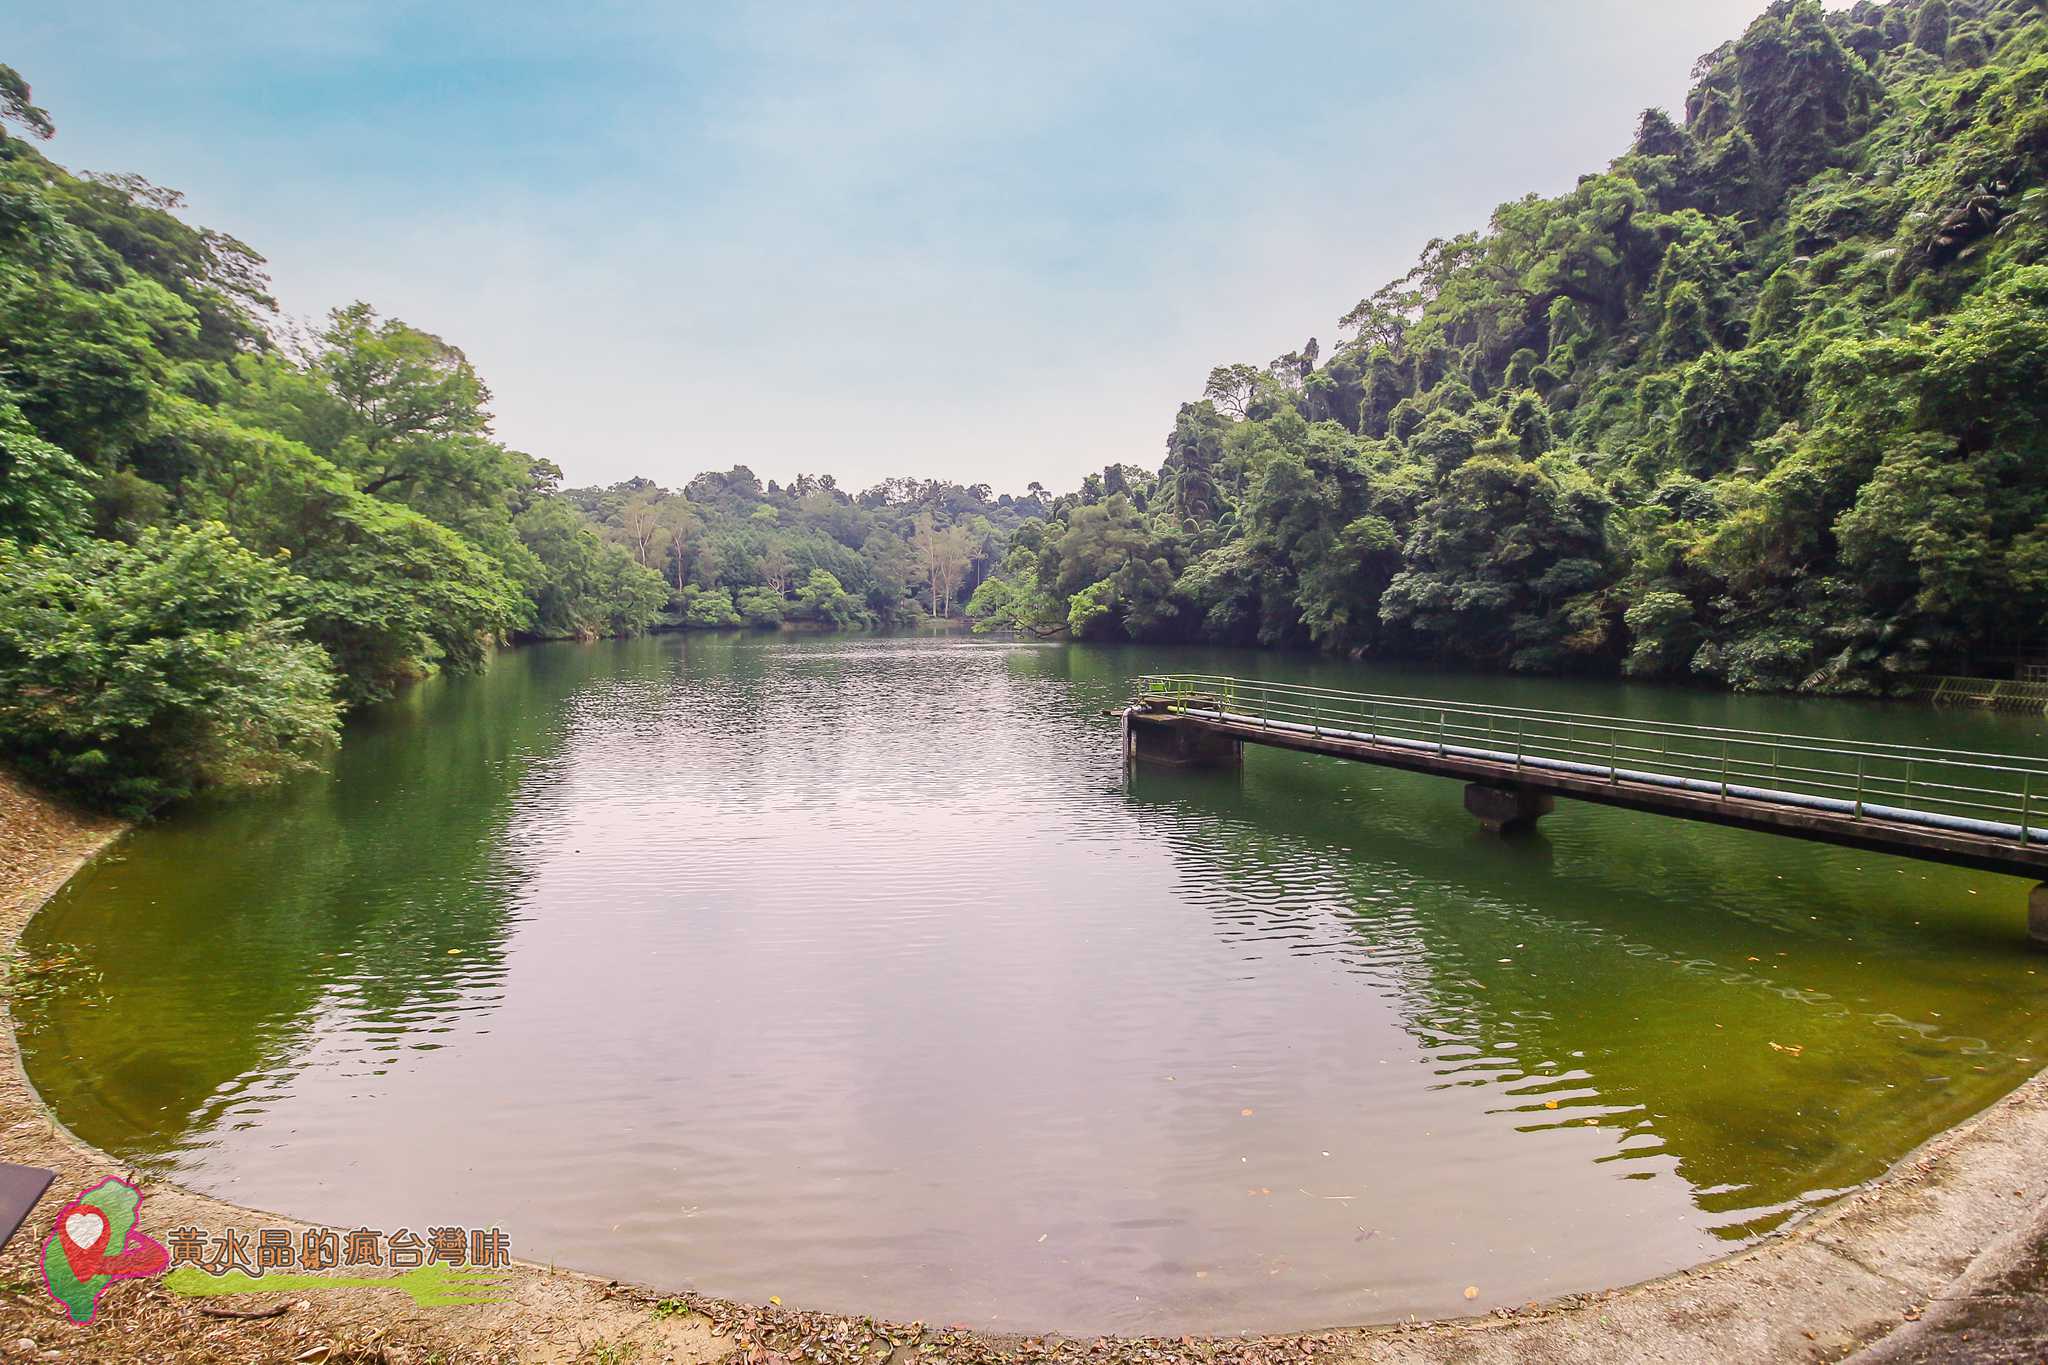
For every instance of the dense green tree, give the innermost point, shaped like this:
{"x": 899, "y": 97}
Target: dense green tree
{"x": 133, "y": 674}
{"x": 706, "y": 608}
{"x": 822, "y": 599}
{"x": 585, "y": 586}
{"x": 1503, "y": 565}
{"x": 44, "y": 492}
{"x": 760, "y": 607}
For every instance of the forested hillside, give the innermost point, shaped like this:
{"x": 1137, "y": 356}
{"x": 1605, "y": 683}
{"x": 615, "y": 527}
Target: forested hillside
{"x": 218, "y": 534}
{"x": 738, "y": 553}
{"x": 1764, "y": 403}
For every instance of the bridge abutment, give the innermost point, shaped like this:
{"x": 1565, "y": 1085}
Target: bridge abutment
{"x": 1178, "y": 743}
{"x": 1507, "y": 810}
{"x": 2037, "y": 916}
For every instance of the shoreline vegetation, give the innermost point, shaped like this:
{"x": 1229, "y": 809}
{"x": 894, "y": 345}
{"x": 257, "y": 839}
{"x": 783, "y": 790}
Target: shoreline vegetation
{"x": 1760, "y": 405}
{"x": 1930, "y": 1256}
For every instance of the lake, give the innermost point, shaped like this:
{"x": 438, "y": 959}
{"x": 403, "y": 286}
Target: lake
{"x": 854, "y": 969}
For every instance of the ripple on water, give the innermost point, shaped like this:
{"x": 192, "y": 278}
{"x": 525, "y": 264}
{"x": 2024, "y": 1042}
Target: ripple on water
{"x": 852, "y": 970}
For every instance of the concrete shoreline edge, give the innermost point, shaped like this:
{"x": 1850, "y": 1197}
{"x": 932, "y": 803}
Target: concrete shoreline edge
{"x": 1931, "y": 1260}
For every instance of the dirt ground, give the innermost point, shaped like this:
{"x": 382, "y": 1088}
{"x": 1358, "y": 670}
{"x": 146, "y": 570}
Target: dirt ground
{"x": 1915, "y": 1249}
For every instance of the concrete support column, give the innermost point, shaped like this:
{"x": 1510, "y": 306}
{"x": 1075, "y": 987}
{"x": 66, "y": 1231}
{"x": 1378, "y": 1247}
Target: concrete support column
{"x": 1506, "y": 810}
{"x": 1181, "y": 743}
{"x": 2037, "y": 916}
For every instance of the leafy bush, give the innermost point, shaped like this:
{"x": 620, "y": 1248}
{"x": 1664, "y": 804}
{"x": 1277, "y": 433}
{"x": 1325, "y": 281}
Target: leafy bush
{"x": 707, "y": 608}
{"x": 42, "y": 489}
{"x": 823, "y": 600}
{"x": 1664, "y": 631}
{"x": 761, "y": 607}
{"x": 131, "y": 675}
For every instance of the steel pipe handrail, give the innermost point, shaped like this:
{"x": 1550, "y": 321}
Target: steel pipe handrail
{"x": 1865, "y": 776}
{"x": 1594, "y": 720}
{"x": 1614, "y": 731}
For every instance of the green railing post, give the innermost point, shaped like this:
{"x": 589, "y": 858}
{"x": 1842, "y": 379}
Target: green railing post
{"x": 1859, "y": 786}
{"x": 1724, "y": 768}
{"x": 1442, "y": 721}
{"x": 1613, "y": 749}
{"x": 2026, "y": 809}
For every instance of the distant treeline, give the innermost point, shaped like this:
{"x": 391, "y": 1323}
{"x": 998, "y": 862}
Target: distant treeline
{"x": 732, "y": 552}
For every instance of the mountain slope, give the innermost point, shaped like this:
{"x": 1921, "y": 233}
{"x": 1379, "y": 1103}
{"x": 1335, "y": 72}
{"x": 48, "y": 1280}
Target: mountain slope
{"x": 1763, "y": 402}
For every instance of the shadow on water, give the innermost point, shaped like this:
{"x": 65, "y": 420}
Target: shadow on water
{"x": 1726, "y": 1000}
{"x": 376, "y": 909}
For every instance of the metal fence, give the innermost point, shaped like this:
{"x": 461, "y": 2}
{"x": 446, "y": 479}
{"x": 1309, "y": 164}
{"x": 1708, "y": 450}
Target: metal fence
{"x": 2001, "y": 796}
{"x": 2003, "y": 694}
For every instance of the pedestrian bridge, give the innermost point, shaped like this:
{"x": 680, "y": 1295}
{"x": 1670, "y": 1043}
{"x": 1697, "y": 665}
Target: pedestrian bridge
{"x": 1977, "y": 810}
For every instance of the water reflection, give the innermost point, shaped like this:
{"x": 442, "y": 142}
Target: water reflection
{"x": 357, "y": 918}
{"x": 853, "y": 970}
{"x": 1697, "y": 974}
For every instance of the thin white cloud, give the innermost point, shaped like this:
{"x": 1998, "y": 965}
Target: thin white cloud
{"x": 978, "y": 243}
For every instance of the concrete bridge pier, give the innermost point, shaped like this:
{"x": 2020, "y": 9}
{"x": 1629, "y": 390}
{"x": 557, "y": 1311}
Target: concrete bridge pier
{"x": 2037, "y": 916}
{"x": 1507, "y": 810}
{"x": 1179, "y": 743}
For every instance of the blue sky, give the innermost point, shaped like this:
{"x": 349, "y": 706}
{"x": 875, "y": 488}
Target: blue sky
{"x": 977, "y": 242}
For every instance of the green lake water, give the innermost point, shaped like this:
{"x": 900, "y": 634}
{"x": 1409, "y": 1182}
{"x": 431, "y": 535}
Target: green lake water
{"x": 853, "y": 969}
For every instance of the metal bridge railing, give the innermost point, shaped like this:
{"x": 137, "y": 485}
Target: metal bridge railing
{"x": 2002, "y": 694}
{"x": 1990, "y": 795}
